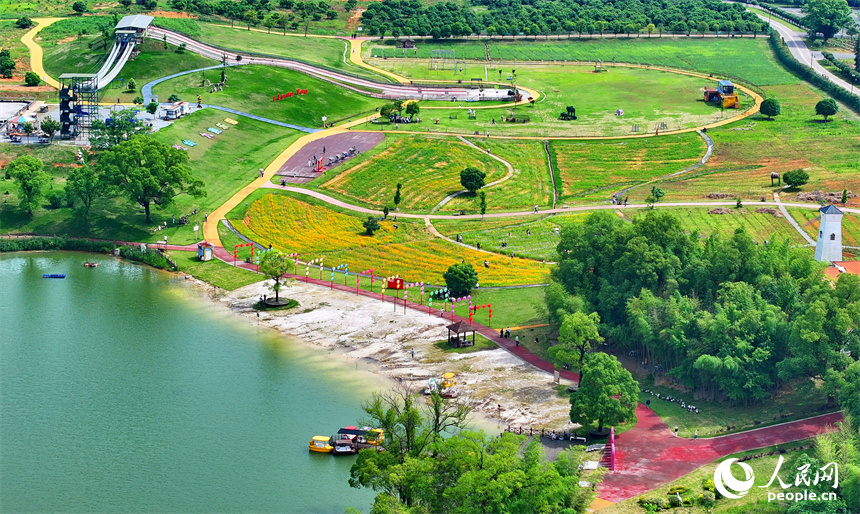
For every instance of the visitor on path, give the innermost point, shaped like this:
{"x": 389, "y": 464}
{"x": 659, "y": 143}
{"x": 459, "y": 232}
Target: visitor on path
{"x": 508, "y": 333}
{"x": 517, "y": 340}
{"x": 696, "y": 434}
{"x": 676, "y": 431}
{"x": 413, "y": 353}
{"x": 501, "y": 332}
{"x": 205, "y": 217}
{"x": 494, "y": 121}
{"x": 323, "y": 150}
{"x": 648, "y": 403}
{"x": 261, "y": 172}
{"x": 441, "y": 313}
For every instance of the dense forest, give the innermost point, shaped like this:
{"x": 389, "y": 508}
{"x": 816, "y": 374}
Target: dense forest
{"x": 512, "y": 17}
{"x": 729, "y": 317}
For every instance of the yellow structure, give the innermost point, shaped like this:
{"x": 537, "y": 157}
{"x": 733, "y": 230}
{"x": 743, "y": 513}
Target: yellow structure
{"x": 320, "y": 443}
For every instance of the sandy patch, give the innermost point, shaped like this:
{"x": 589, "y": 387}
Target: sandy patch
{"x": 368, "y": 330}
{"x": 173, "y": 14}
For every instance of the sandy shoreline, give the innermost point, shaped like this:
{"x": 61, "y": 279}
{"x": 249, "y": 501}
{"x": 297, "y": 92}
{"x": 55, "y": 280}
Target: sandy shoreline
{"x": 371, "y": 331}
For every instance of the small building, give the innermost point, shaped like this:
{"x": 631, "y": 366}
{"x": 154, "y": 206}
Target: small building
{"x": 205, "y": 251}
{"x": 176, "y": 110}
{"x": 407, "y": 43}
{"x": 458, "y": 335}
{"x": 828, "y": 248}
{"x": 132, "y": 28}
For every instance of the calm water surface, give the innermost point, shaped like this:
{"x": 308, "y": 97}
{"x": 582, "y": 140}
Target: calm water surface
{"x": 122, "y": 389}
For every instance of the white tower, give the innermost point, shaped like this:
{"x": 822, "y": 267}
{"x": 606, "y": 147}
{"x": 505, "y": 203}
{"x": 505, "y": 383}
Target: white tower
{"x": 829, "y": 245}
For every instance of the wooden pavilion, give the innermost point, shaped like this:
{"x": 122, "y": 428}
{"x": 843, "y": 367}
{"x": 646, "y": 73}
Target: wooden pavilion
{"x": 454, "y": 334}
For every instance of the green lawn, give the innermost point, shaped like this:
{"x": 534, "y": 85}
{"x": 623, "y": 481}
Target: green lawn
{"x": 591, "y": 171}
{"x": 214, "y": 272}
{"x": 538, "y": 243}
{"x": 251, "y": 88}
{"x": 647, "y": 97}
{"x": 10, "y": 39}
{"x": 321, "y": 51}
{"x": 87, "y": 55}
{"x": 429, "y": 169}
{"x": 760, "y": 226}
{"x": 746, "y": 58}
{"x": 747, "y": 152}
{"x": 225, "y": 163}
{"x": 809, "y": 219}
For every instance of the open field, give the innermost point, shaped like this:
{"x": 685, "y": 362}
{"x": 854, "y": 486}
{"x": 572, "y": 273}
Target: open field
{"x": 592, "y": 171}
{"x": 237, "y": 153}
{"x": 755, "y": 501}
{"x": 809, "y": 220}
{"x": 428, "y": 168}
{"x": 10, "y": 39}
{"x": 251, "y": 88}
{"x": 750, "y": 59}
{"x": 647, "y": 97}
{"x": 215, "y": 272}
{"x": 328, "y": 53}
{"x": 87, "y": 55}
{"x": 409, "y": 251}
{"x": 760, "y": 226}
{"x": 525, "y": 237}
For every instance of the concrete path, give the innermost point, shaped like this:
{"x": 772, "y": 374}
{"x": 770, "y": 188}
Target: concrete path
{"x": 791, "y": 220}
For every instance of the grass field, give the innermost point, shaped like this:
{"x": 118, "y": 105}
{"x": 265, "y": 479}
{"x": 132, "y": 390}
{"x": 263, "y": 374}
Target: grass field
{"x": 760, "y": 226}
{"x": 592, "y": 171}
{"x": 809, "y": 220}
{"x": 646, "y": 96}
{"x": 322, "y": 51}
{"x": 10, "y": 39}
{"x": 87, "y": 55}
{"x": 756, "y": 501}
{"x": 746, "y": 58}
{"x": 746, "y": 153}
{"x": 225, "y": 164}
{"x": 251, "y": 88}
{"x": 525, "y": 237}
{"x": 428, "y": 168}
{"x": 214, "y": 272}
{"x": 409, "y": 251}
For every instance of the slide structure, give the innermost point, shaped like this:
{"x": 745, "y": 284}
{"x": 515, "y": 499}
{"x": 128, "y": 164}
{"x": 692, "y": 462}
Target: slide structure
{"x": 108, "y": 72}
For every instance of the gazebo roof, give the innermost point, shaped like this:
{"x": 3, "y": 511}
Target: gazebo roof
{"x": 460, "y": 328}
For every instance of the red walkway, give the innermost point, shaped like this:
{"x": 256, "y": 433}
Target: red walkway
{"x": 649, "y": 455}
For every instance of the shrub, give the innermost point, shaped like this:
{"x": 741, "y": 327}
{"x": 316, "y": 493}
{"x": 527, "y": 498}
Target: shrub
{"x": 132, "y": 85}
{"x": 173, "y": 98}
{"x": 770, "y": 107}
{"x": 795, "y": 178}
{"x": 55, "y": 200}
{"x": 656, "y": 503}
{"x": 678, "y": 489}
{"x": 24, "y": 23}
{"x": 371, "y": 225}
{"x": 31, "y": 78}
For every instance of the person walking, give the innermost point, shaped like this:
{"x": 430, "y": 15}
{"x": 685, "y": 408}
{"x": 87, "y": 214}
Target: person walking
{"x": 696, "y": 434}
{"x": 648, "y": 403}
{"x": 413, "y": 353}
{"x": 517, "y": 339}
{"x": 676, "y": 431}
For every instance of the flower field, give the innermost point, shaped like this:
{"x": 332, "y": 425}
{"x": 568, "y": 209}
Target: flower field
{"x": 429, "y": 169}
{"x": 539, "y": 243}
{"x": 592, "y": 171}
{"x": 409, "y": 251}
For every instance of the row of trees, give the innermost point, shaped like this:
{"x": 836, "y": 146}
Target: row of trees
{"x": 504, "y": 17}
{"x": 139, "y": 168}
{"x": 728, "y": 317}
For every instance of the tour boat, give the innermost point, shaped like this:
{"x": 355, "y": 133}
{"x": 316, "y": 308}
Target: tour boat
{"x": 344, "y": 447}
{"x": 91, "y": 264}
{"x": 320, "y": 443}
{"x": 54, "y": 275}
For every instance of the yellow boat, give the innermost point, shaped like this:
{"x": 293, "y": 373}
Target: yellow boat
{"x": 320, "y": 443}
{"x": 448, "y": 380}
{"x": 376, "y": 437}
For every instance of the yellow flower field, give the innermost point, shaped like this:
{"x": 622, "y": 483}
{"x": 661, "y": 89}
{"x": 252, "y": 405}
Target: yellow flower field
{"x": 409, "y": 251}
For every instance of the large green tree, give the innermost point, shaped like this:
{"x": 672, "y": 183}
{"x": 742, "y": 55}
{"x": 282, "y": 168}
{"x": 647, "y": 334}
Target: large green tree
{"x": 123, "y": 125}
{"x": 472, "y": 179}
{"x": 460, "y": 278}
{"x": 607, "y": 393}
{"x": 29, "y": 173}
{"x": 827, "y": 107}
{"x": 577, "y": 335}
{"x": 274, "y": 264}
{"x": 149, "y": 172}
{"x": 827, "y": 17}
{"x": 84, "y": 184}
{"x": 770, "y": 107}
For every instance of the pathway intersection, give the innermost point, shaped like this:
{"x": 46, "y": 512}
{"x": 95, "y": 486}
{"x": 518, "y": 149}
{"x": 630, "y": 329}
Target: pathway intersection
{"x": 648, "y": 454}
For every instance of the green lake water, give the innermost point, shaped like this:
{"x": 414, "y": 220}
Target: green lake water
{"x": 122, "y": 389}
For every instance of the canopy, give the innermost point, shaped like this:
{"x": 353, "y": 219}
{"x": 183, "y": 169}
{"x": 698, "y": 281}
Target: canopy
{"x": 320, "y": 438}
{"x": 21, "y": 119}
{"x": 448, "y": 375}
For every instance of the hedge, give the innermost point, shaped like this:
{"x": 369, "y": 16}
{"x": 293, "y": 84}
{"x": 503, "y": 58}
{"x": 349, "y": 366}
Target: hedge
{"x": 152, "y": 258}
{"x": 846, "y": 70}
{"x": 779, "y": 13}
{"x": 810, "y": 75}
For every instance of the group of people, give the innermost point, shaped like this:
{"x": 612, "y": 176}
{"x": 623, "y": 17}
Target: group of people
{"x": 684, "y": 405}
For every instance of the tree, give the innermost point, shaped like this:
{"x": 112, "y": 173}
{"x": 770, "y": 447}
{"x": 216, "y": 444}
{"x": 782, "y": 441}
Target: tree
{"x": 397, "y": 195}
{"x": 350, "y": 5}
{"x": 148, "y": 172}
{"x": 28, "y": 129}
{"x": 770, "y": 107}
{"x": 123, "y": 126}
{"x": 24, "y": 23}
{"x": 395, "y": 32}
{"x": 650, "y": 28}
{"x": 795, "y": 178}
{"x": 152, "y": 107}
{"x": 703, "y": 27}
{"x": 371, "y": 225}
{"x": 460, "y": 278}
{"x": 50, "y": 126}
{"x": 607, "y": 392}
{"x": 576, "y": 336}
{"x": 844, "y": 198}
{"x": 269, "y": 22}
{"x": 173, "y": 98}
{"x": 483, "y": 205}
{"x": 412, "y": 109}
{"x": 385, "y": 211}
{"x": 472, "y": 179}
{"x": 274, "y": 264}
{"x": 79, "y": 7}
{"x": 826, "y": 16}
{"x": 30, "y": 175}
{"x": 85, "y": 184}
{"x": 250, "y": 17}
{"x": 387, "y": 110}
{"x": 131, "y": 85}
{"x": 826, "y": 107}
{"x": 7, "y": 64}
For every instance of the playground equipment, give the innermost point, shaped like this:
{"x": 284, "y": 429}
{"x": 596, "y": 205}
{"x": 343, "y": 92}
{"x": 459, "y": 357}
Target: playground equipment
{"x": 569, "y": 115}
{"x": 724, "y": 95}
{"x": 442, "y": 60}
{"x": 598, "y": 66}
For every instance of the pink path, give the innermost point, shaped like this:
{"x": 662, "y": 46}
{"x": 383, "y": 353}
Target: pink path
{"x": 649, "y": 455}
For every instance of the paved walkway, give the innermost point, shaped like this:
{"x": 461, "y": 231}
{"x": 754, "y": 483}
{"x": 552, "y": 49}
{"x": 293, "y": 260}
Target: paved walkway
{"x": 491, "y": 184}
{"x": 36, "y": 50}
{"x": 790, "y": 218}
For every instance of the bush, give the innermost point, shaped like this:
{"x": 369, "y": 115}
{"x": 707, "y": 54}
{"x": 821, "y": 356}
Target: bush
{"x": 795, "y": 178}
{"x": 132, "y": 85}
{"x": 55, "y": 243}
{"x": 151, "y": 257}
{"x": 173, "y": 98}
{"x": 55, "y": 200}
{"x": 679, "y": 489}
{"x": 24, "y": 23}
{"x": 655, "y": 503}
{"x": 371, "y": 225}
{"x": 31, "y": 78}
{"x": 770, "y": 107}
